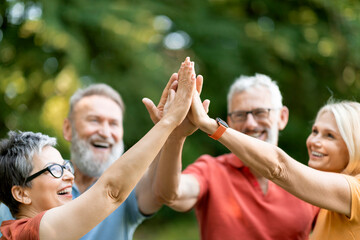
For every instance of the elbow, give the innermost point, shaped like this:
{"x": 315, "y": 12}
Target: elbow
{"x": 165, "y": 197}
{"x": 278, "y": 170}
{"x": 116, "y": 193}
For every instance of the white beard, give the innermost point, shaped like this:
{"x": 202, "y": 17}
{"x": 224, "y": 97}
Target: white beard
{"x": 272, "y": 135}
{"x": 89, "y": 163}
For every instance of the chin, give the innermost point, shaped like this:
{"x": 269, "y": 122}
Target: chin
{"x": 318, "y": 167}
{"x": 312, "y": 165}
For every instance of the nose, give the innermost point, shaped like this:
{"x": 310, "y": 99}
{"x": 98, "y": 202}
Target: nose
{"x": 315, "y": 141}
{"x": 105, "y": 130}
{"x": 250, "y": 122}
{"x": 67, "y": 175}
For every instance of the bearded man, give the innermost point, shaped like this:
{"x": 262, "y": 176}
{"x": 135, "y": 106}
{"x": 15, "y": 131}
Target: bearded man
{"x": 94, "y": 127}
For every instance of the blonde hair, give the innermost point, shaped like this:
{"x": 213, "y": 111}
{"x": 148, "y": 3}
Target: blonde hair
{"x": 347, "y": 117}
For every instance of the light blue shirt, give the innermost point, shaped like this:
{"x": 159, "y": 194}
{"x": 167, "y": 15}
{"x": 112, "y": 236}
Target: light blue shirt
{"x": 4, "y": 214}
{"x": 121, "y": 224}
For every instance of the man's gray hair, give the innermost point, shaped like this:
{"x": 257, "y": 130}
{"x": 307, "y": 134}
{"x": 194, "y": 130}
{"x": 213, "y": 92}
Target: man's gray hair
{"x": 16, "y": 162}
{"x": 99, "y": 89}
{"x": 244, "y": 83}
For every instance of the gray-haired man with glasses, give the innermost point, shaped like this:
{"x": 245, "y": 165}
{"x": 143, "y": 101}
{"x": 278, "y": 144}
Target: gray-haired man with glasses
{"x": 255, "y": 108}
{"x": 231, "y": 200}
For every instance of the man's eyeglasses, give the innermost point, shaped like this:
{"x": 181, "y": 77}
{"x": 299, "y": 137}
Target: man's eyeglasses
{"x": 56, "y": 170}
{"x": 258, "y": 114}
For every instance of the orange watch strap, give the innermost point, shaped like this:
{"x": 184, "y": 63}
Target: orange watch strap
{"x": 218, "y": 133}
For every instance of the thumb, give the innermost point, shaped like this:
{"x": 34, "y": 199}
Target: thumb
{"x": 151, "y": 108}
{"x": 206, "y": 105}
{"x": 199, "y": 83}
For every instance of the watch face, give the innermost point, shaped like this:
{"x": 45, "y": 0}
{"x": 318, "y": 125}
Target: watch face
{"x": 222, "y": 122}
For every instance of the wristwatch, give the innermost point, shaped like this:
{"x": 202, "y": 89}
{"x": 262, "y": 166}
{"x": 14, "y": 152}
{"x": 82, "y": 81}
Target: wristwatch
{"x": 221, "y": 129}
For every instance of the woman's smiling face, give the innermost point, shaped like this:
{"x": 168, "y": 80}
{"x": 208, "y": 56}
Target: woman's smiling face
{"x": 326, "y": 148}
{"x": 46, "y": 191}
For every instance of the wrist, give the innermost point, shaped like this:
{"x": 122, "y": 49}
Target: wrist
{"x": 167, "y": 123}
{"x": 221, "y": 128}
{"x": 209, "y": 126}
{"x": 177, "y": 136}
{"x": 176, "y": 139}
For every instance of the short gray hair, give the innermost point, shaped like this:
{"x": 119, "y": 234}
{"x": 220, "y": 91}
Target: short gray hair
{"x": 16, "y": 162}
{"x": 99, "y": 89}
{"x": 244, "y": 83}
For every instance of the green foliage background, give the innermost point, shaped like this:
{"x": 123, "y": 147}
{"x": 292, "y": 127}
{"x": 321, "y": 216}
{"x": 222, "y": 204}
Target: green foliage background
{"x": 50, "y": 48}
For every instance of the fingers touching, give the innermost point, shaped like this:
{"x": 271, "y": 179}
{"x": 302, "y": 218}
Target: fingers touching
{"x": 184, "y": 82}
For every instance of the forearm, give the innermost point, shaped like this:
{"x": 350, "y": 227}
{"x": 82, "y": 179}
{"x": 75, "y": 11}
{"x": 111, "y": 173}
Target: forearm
{"x": 263, "y": 157}
{"x": 123, "y": 175}
{"x": 146, "y": 198}
{"x": 168, "y": 172}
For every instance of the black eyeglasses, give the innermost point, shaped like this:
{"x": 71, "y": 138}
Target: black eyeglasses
{"x": 56, "y": 170}
{"x": 258, "y": 114}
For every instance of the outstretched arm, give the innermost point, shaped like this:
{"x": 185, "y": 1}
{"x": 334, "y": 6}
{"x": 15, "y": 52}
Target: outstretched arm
{"x": 178, "y": 191}
{"x": 73, "y": 220}
{"x": 147, "y": 200}
{"x": 324, "y": 189}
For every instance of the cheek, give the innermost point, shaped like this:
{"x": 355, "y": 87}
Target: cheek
{"x": 344, "y": 155}
{"x": 85, "y": 130}
{"x": 117, "y": 133}
{"x": 308, "y": 141}
{"x": 42, "y": 192}
{"x": 236, "y": 126}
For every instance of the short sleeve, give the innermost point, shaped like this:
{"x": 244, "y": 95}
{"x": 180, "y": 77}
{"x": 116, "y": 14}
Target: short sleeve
{"x": 24, "y": 229}
{"x": 354, "y": 183}
{"x": 201, "y": 169}
{"x": 132, "y": 209}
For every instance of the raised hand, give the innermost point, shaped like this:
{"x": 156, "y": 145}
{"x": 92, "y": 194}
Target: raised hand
{"x": 157, "y": 112}
{"x": 180, "y": 104}
{"x": 186, "y": 128}
{"x": 198, "y": 112}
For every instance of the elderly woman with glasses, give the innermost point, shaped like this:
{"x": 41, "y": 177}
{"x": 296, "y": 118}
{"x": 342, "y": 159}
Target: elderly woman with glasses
{"x": 35, "y": 181}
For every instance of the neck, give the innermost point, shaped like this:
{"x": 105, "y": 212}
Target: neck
{"x": 27, "y": 211}
{"x": 83, "y": 182}
{"x": 263, "y": 182}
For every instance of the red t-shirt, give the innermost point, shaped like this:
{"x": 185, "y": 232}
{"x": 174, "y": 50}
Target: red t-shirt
{"x": 22, "y": 229}
{"x": 231, "y": 204}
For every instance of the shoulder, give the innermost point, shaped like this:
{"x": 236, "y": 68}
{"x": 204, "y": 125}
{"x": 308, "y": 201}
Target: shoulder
{"x": 26, "y": 228}
{"x": 215, "y": 160}
{"x": 207, "y": 165}
{"x": 354, "y": 181}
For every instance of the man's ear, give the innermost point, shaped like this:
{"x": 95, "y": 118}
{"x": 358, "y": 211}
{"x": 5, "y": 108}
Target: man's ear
{"x": 67, "y": 132}
{"x": 284, "y": 117}
{"x": 20, "y": 194}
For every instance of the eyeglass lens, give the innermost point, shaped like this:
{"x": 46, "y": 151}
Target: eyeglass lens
{"x": 258, "y": 114}
{"x": 58, "y": 170}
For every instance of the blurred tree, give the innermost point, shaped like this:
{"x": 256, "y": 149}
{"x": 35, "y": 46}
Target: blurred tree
{"x": 50, "y": 48}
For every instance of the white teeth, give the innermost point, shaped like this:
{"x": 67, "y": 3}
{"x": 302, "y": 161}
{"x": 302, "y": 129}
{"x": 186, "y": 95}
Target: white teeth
{"x": 65, "y": 191}
{"x": 102, "y": 144}
{"x": 255, "y": 135}
{"x": 317, "y": 154}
